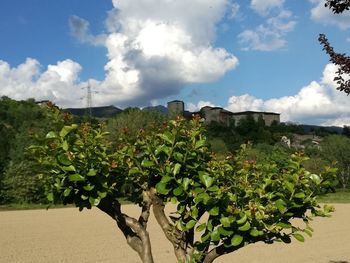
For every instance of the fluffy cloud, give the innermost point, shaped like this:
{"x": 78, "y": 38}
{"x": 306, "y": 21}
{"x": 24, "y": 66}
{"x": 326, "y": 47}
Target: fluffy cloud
{"x": 196, "y": 107}
{"x": 154, "y": 49}
{"x": 80, "y": 29}
{"x": 157, "y": 47}
{"x": 263, "y": 7}
{"x": 323, "y": 15}
{"x": 317, "y": 103}
{"x": 58, "y": 82}
{"x": 270, "y": 35}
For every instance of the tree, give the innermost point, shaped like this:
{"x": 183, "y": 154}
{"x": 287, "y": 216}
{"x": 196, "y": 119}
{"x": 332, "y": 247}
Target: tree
{"x": 338, "y": 6}
{"x": 341, "y": 60}
{"x": 336, "y": 148}
{"x": 222, "y": 205}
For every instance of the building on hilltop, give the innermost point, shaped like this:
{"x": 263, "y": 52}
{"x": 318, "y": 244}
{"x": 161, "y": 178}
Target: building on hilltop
{"x": 176, "y": 107}
{"x": 268, "y": 117}
{"x": 220, "y": 115}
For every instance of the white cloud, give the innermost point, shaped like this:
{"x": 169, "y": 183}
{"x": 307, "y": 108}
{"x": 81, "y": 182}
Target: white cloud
{"x": 263, "y": 7}
{"x": 269, "y": 36}
{"x": 57, "y": 83}
{"x": 157, "y": 47}
{"x": 154, "y": 49}
{"x": 324, "y": 16}
{"x": 196, "y": 107}
{"x": 317, "y": 103}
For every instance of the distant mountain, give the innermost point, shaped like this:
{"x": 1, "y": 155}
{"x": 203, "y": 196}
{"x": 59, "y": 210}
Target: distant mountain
{"x": 159, "y": 108}
{"x": 98, "y": 112}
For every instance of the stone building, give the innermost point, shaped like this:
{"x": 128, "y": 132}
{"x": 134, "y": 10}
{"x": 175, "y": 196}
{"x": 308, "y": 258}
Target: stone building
{"x": 220, "y": 115}
{"x": 176, "y": 107}
{"x": 268, "y": 117}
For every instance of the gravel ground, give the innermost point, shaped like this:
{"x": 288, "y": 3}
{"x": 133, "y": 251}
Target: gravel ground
{"x": 67, "y": 235}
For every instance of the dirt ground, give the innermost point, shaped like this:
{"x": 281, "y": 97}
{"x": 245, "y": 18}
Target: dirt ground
{"x": 67, "y": 235}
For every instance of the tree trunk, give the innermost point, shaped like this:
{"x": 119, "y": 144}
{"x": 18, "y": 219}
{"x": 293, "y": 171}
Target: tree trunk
{"x": 134, "y": 230}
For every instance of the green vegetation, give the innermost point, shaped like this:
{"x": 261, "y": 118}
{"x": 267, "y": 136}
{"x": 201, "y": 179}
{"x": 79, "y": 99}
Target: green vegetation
{"x": 229, "y": 202}
{"x": 340, "y": 196}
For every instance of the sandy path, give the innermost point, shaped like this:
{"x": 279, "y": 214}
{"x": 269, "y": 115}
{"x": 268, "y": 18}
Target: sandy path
{"x": 66, "y": 235}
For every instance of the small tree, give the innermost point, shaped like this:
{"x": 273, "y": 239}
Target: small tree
{"x": 221, "y": 205}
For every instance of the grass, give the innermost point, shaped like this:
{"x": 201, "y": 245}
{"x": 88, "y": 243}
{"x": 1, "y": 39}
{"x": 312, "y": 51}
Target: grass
{"x": 340, "y": 196}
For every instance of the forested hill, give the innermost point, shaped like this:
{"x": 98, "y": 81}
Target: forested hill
{"x": 98, "y": 112}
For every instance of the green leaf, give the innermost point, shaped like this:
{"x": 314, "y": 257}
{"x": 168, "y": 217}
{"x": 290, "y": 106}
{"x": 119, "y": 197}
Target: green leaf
{"x": 242, "y": 220}
{"x": 190, "y": 224}
{"x": 225, "y": 221}
{"x": 102, "y": 194}
{"x": 215, "y": 235}
{"x": 185, "y": 182}
{"x": 236, "y": 240}
{"x": 225, "y": 232}
{"x": 254, "y": 232}
{"x": 178, "y": 191}
{"x": 202, "y": 197}
{"x": 201, "y": 227}
{"x": 214, "y": 211}
{"x": 67, "y": 129}
{"x": 289, "y": 186}
{"x": 167, "y": 136}
{"x": 161, "y": 188}
{"x": 63, "y": 159}
{"x": 177, "y": 168}
{"x": 94, "y": 201}
{"x": 67, "y": 192}
{"x": 134, "y": 170}
{"x": 280, "y": 204}
{"x": 205, "y": 179}
{"x": 69, "y": 168}
{"x": 51, "y": 135}
{"x": 92, "y": 172}
{"x": 166, "y": 179}
{"x": 147, "y": 163}
{"x": 299, "y": 237}
{"x": 49, "y": 197}
{"x": 245, "y": 227}
{"x": 200, "y": 144}
{"x": 88, "y": 187}
{"x": 299, "y": 195}
{"x": 284, "y": 225}
{"x": 76, "y": 178}
{"x": 205, "y": 236}
{"x": 65, "y": 145}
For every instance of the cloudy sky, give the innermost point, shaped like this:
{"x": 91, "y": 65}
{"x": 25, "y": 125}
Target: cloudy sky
{"x": 238, "y": 54}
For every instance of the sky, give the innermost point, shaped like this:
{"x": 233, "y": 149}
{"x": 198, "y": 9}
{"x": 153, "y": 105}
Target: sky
{"x": 260, "y": 55}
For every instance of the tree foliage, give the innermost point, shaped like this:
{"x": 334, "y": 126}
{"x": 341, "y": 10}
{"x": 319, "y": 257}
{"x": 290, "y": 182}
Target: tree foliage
{"x": 338, "y": 6}
{"x": 339, "y": 59}
{"x": 221, "y": 205}
{"x": 343, "y": 63}
{"x": 336, "y": 149}
{"x": 23, "y": 123}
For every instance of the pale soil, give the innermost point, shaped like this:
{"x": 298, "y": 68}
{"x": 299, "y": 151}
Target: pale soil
{"x": 66, "y": 235}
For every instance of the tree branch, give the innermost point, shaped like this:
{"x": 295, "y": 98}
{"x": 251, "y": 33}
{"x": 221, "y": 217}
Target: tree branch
{"x": 173, "y": 234}
{"x": 136, "y": 235}
{"x": 219, "y": 251}
{"x": 146, "y": 209}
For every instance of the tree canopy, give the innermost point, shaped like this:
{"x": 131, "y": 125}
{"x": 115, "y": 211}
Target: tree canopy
{"x": 220, "y": 205}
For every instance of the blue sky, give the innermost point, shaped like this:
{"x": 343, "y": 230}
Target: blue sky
{"x": 238, "y": 54}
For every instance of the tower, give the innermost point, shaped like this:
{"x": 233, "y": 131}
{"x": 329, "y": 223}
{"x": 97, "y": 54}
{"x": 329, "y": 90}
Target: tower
{"x": 176, "y": 107}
